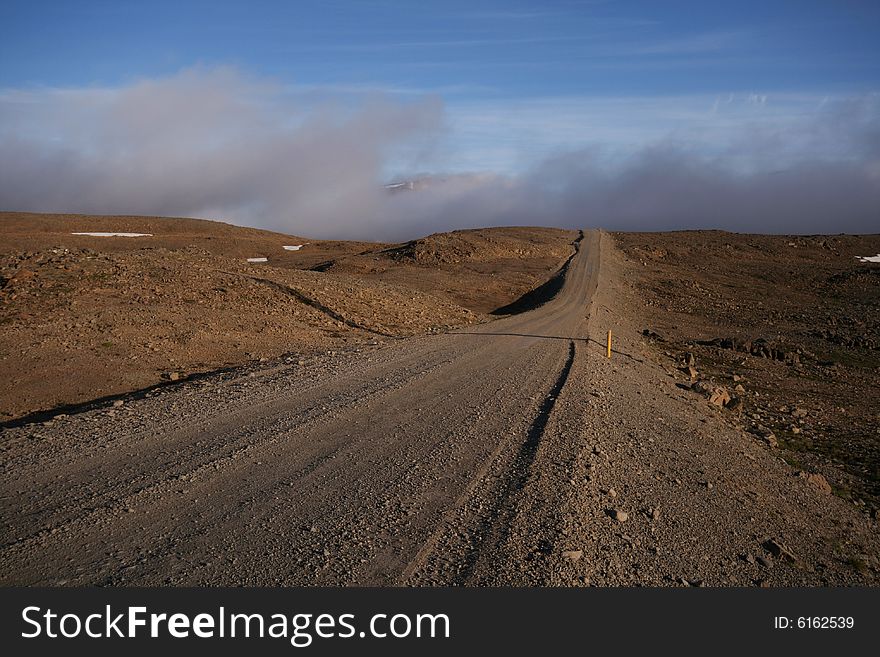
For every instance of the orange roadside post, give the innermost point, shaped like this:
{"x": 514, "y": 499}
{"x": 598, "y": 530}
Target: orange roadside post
{"x": 609, "y": 343}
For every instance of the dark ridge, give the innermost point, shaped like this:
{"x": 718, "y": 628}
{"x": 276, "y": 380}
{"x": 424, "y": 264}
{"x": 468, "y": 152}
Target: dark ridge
{"x": 544, "y": 292}
{"x": 323, "y": 266}
{"x": 314, "y": 303}
{"x": 103, "y": 402}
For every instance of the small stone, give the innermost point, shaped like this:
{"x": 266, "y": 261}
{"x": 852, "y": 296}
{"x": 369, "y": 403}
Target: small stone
{"x": 739, "y": 388}
{"x": 654, "y": 513}
{"x": 612, "y": 493}
{"x": 118, "y": 403}
{"x": 572, "y": 555}
{"x": 618, "y": 515}
{"x": 719, "y": 397}
{"x": 779, "y": 550}
{"x": 735, "y": 404}
{"x": 766, "y": 435}
{"x": 799, "y": 412}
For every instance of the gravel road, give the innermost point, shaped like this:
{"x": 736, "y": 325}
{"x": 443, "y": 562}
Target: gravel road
{"x": 510, "y": 452}
{"x": 388, "y": 466}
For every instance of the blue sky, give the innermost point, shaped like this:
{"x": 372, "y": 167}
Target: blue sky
{"x": 470, "y": 49}
{"x": 491, "y": 88}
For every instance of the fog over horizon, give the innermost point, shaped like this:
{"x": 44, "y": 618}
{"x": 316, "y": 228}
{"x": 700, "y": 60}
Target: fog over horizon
{"x": 219, "y": 144}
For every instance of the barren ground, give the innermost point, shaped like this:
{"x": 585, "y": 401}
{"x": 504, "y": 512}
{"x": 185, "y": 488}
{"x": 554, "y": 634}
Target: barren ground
{"x": 808, "y": 301}
{"x": 88, "y": 318}
{"x": 513, "y": 452}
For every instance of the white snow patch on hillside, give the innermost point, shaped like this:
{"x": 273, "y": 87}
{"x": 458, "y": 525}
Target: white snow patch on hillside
{"x": 875, "y": 258}
{"x": 258, "y": 259}
{"x": 115, "y": 234}
{"x": 295, "y": 247}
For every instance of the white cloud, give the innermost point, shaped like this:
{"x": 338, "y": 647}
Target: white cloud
{"x": 218, "y": 144}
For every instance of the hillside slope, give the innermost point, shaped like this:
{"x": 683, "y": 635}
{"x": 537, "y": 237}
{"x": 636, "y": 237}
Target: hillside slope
{"x": 88, "y": 317}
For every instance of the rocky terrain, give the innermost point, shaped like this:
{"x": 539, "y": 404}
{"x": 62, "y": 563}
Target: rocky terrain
{"x": 783, "y": 333}
{"x": 512, "y": 452}
{"x": 88, "y": 317}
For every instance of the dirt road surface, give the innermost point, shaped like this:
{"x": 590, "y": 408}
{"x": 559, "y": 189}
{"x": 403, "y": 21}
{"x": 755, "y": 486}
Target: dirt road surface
{"x": 507, "y": 453}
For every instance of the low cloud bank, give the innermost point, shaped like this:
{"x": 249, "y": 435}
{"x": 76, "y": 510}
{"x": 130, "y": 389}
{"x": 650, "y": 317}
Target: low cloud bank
{"x": 216, "y": 144}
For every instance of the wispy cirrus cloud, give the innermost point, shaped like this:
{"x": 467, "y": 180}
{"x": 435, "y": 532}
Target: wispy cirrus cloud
{"x": 689, "y": 44}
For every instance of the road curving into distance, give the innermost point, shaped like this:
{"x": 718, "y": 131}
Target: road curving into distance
{"x": 404, "y": 464}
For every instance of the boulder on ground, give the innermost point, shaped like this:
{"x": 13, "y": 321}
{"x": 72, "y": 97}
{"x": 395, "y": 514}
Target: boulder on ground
{"x": 719, "y": 397}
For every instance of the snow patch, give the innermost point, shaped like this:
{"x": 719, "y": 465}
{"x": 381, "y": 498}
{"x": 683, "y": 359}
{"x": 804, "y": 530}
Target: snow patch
{"x": 115, "y": 234}
{"x": 875, "y": 258}
{"x": 258, "y": 259}
{"x": 296, "y": 247}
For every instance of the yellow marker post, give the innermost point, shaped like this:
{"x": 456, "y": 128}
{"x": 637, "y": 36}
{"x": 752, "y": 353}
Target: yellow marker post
{"x": 609, "y": 343}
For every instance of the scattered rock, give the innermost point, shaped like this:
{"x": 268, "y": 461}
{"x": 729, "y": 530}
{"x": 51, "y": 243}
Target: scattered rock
{"x": 618, "y": 515}
{"x": 691, "y": 372}
{"x": 572, "y": 555}
{"x": 719, "y": 397}
{"x": 816, "y": 480}
{"x": 779, "y": 550}
{"x": 765, "y": 434}
{"x": 799, "y": 412}
{"x": 735, "y": 404}
{"x": 118, "y": 403}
